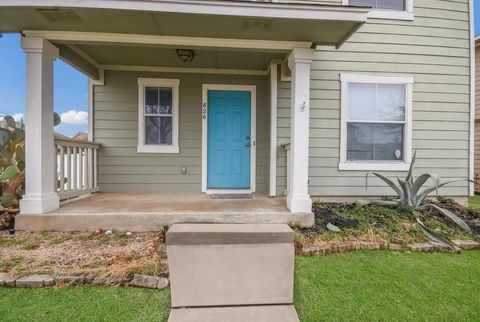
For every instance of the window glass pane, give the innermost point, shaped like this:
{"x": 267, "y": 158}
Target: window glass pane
{"x": 388, "y": 142}
{"x": 363, "y": 3}
{"x": 166, "y": 130}
{"x": 152, "y": 130}
{"x": 361, "y": 102}
{"x": 158, "y": 130}
{"x": 380, "y": 4}
{"x": 391, "y": 4}
{"x": 151, "y": 100}
{"x": 390, "y": 103}
{"x": 380, "y": 142}
{"x": 370, "y": 102}
{"x": 166, "y": 100}
{"x": 359, "y": 141}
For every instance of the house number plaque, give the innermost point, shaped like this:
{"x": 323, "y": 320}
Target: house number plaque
{"x": 204, "y": 111}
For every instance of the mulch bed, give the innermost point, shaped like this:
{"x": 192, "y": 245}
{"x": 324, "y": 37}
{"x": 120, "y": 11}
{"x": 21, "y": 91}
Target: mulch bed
{"x": 469, "y": 215}
{"x": 379, "y": 226}
{"x": 102, "y": 259}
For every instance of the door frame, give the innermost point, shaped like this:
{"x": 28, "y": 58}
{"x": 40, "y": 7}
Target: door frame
{"x": 253, "y": 147}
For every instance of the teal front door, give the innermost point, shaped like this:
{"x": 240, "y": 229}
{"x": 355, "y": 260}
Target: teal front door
{"x": 229, "y": 139}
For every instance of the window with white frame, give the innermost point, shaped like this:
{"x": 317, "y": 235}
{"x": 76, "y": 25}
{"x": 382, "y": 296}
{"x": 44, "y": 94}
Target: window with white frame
{"x": 376, "y": 122}
{"x": 386, "y": 9}
{"x": 158, "y": 115}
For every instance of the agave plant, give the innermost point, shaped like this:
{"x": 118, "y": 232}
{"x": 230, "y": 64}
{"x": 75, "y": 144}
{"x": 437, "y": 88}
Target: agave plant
{"x": 412, "y": 194}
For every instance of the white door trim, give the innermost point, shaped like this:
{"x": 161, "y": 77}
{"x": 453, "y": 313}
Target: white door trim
{"x": 273, "y": 128}
{"x": 253, "y": 115}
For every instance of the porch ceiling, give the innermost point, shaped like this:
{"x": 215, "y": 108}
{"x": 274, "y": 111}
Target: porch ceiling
{"x": 107, "y": 55}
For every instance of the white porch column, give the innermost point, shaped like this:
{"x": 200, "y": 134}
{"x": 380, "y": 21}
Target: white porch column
{"x": 299, "y": 62}
{"x": 40, "y": 191}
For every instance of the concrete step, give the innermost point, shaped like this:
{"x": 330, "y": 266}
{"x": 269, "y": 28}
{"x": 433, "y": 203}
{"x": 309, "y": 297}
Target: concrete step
{"x": 266, "y": 313}
{"x": 230, "y": 264}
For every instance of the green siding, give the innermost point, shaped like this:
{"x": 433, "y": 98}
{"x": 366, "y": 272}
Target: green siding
{"x": 435, "y": 49}
{"x": 121, "y": 168}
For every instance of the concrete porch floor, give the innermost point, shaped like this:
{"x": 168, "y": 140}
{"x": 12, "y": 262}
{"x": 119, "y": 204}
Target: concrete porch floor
{"x": 139, "y": 212}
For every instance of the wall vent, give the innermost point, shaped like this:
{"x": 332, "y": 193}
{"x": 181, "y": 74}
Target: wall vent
{"x": 60, "y": 15}
{"x": 257, "y": 24}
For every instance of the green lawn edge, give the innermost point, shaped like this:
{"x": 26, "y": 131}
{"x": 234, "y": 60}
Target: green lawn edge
{"x": 361, "y": 286}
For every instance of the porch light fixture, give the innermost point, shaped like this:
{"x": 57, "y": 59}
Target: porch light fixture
{"x": 185, "y": 55}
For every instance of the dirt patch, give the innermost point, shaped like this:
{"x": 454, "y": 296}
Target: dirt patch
{"x": 103, "y": 259}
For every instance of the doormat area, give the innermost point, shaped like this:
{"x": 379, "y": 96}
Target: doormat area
{"x": 231, "y": 196}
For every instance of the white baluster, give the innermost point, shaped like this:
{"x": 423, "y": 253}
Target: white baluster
{"x": 61, "y": 161}
{"x": 90, "y": 168}
{"x": 75, "y": 169}
{"x": 69, "y": 169}
{"x": 55, "y": 166}
{"x": 95, "y": 168}
{"x": 80, "y": 169}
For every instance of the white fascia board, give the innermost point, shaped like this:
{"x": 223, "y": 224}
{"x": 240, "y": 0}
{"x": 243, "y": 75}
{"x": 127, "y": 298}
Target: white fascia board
{"x": 221, "y": 8}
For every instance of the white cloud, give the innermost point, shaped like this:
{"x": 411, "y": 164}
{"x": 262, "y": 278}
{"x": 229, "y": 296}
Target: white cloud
{"x": 74, "y": 117}
{"x": 18, "y": 117}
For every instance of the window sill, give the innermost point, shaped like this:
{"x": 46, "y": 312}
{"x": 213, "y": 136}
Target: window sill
{"x": 158, "y": 149}
{"x": 371, "y": 166}
{"x": 391, "y": 14}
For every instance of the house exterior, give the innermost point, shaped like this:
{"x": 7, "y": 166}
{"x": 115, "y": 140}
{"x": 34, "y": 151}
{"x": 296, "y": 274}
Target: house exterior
{"x": 477, "y": 114}
{"x": 295, "y": 98}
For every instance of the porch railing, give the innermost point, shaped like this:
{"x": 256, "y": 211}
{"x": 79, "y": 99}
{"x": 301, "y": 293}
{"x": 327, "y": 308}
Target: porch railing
{"x": 76, "y": 166}
{"x": 286, "y": 146}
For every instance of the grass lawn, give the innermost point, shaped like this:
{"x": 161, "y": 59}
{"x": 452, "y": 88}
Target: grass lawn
{"x": 474, "y": 202}
{"x": 389, "y": 286}
{"x": 363, "y": 286}
{"x": 84, "y": 304}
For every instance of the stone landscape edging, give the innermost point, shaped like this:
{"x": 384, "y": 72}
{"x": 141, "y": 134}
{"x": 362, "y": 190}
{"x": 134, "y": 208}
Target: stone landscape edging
{"x": 363, "y": 245}
{"x": 43, "y": 280}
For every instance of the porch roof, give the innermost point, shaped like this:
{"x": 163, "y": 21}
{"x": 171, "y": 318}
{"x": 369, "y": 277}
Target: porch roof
{"x": 87, "y": 32}
{"x": 321, "y": 24}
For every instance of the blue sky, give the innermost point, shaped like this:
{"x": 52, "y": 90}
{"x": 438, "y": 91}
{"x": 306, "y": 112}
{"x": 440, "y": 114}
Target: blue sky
{"x": 71, "y": 86}
{"x": 70, "y": 92}
{"x": 476, "y": 5}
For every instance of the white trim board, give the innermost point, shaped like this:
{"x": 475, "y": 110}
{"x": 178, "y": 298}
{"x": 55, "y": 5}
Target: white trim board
{"x": 186, "y": 70}
{"x": 471, "y": 157}
{"x": 253, "y": 113}
{"x": 407, "y": 80}
{"x": 90, "y": 109}
{"x": 174, "y": 84}
{"x": 273, "y": 128}
{"x": 181, "y": 41}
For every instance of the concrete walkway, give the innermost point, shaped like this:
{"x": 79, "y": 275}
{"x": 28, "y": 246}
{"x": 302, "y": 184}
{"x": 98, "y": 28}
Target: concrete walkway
{"x": 152, "y": 211}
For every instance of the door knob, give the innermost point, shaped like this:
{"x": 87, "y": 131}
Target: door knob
{"x": 248, "y": 143}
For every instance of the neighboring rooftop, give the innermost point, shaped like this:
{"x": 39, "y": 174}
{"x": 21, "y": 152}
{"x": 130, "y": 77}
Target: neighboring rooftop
{"x": 80, "y": 136}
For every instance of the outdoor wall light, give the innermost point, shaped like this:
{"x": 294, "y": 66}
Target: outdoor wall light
{"x": 185, "y": 55}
